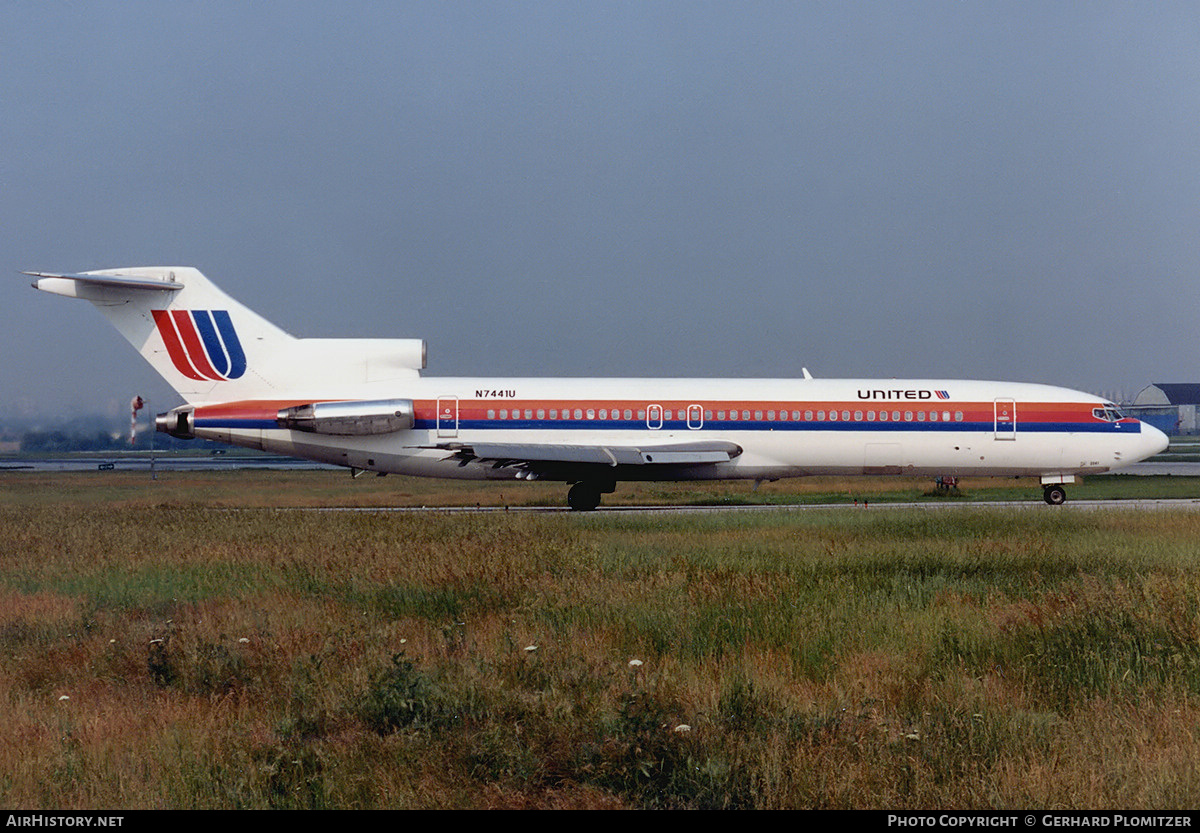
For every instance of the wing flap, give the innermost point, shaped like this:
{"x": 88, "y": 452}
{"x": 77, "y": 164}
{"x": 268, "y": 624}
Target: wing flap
{"x": 700, "y": 453}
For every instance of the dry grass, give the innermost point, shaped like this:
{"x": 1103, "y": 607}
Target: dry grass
{"x": 307, "y": 489}
{"x": 160, "y": 654}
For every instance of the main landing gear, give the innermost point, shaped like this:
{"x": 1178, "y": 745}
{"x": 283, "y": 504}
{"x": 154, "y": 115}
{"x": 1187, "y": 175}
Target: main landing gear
{"x": 584, "y": 496}
{"x": 1054, "y": 494}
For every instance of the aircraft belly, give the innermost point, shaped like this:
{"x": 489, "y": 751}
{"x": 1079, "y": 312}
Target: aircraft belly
{"x": 241, "y": 437}
{"x": 883, "y": 458}
{"x": 914, "y": 453}
{"x": 382, "y": 454}
{"x": 766, "y": 455}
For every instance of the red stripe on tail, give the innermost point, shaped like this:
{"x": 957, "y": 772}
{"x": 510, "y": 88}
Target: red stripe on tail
{"x": 166, "y": 329}
{"x": 193, "y": 346}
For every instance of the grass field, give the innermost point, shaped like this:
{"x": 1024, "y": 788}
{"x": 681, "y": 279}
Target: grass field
{"x": 161, "y": 649}
{"x": 299, "y": 488}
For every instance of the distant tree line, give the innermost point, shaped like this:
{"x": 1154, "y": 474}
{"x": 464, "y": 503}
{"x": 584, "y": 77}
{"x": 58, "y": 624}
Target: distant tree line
{"x": 58, "y": 441}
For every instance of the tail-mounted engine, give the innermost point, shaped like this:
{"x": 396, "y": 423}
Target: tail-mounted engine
{"x": 178, "y": 422}
{"x": 350, "y": 418}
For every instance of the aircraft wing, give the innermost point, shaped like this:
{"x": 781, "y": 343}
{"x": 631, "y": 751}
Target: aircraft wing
{"x": 536, "y": 456}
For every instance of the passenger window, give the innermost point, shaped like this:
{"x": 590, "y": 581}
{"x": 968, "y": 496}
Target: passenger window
{"x": 591, "y": 413}
{"x": 808, "y": 415}
{"x": 945, "y": 416}
{"x": 820, "y": 416}
{"x": 504, "y": 413}
{"x": 628, "y": 414}
{"x": 745, "y": 415}
{"x": 604, "y": 413}
{"x": 858, "y": 416}
{"x": 553, "y": 413}
{"x": 491, "y": 414}
{"x": 908, "y": 416}
{"x": 578, "y": 413}
{"x": 958, "y": 416}
{"x": 896, "y": 416}
{"x": 846, "y": 416}
{"x": 528, "y": 413}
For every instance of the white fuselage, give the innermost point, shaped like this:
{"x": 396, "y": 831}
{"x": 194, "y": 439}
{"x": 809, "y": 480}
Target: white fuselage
{"x": 785, "y": 428}
{"x": 362, "y": 403}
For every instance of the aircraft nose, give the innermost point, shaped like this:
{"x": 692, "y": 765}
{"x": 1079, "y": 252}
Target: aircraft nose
{"x": 1153, "y": 441}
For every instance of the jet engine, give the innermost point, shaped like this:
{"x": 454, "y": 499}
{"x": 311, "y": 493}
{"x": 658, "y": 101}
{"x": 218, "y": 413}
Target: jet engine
{"x": 354, "y": 418}
{"x": 178, "y": 422}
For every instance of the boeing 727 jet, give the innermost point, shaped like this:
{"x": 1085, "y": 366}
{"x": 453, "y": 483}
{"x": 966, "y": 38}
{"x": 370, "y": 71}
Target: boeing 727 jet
{"x": 363, "y": 404}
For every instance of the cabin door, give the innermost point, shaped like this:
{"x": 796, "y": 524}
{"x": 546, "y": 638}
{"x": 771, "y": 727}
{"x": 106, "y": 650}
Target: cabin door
{"x": 447, "y": 416}
{"x": 1005, "y": 419}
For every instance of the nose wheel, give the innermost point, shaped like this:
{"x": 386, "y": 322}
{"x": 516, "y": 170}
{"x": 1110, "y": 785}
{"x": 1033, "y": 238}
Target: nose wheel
{"x": 1054, "y": 494}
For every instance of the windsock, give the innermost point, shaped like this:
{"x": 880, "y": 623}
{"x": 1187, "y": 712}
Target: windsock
{"x": 135, "y": 405}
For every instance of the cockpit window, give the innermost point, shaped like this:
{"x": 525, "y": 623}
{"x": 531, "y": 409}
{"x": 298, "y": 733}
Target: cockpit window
{"x": 1108, "y": 413}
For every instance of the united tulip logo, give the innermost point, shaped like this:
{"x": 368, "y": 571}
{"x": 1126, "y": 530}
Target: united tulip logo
{"x": 202, "y": 344}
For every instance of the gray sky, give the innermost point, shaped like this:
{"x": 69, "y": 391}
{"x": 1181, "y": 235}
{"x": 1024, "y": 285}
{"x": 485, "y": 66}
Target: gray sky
{"x": 949, "y": 189}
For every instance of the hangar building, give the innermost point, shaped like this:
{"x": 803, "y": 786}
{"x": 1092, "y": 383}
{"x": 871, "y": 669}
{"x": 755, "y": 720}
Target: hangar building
{"x": 1169, "y": 407}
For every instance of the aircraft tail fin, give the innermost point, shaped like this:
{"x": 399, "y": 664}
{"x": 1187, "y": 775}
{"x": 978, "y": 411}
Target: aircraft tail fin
{"x": 211, "y": 348}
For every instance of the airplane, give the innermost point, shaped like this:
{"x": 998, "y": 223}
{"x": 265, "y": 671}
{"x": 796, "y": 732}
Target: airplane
{"x": 362, "y": 403}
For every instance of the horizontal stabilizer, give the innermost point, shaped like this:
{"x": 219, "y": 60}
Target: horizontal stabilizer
{"x": 54, "y": 281}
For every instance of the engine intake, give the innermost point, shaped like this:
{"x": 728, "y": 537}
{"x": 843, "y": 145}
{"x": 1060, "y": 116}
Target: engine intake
{"x": 381, "y": 416}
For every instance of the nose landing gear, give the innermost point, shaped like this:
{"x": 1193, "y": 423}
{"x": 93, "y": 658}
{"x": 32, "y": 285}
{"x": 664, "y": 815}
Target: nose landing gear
{"x": 1054, "y": 494}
